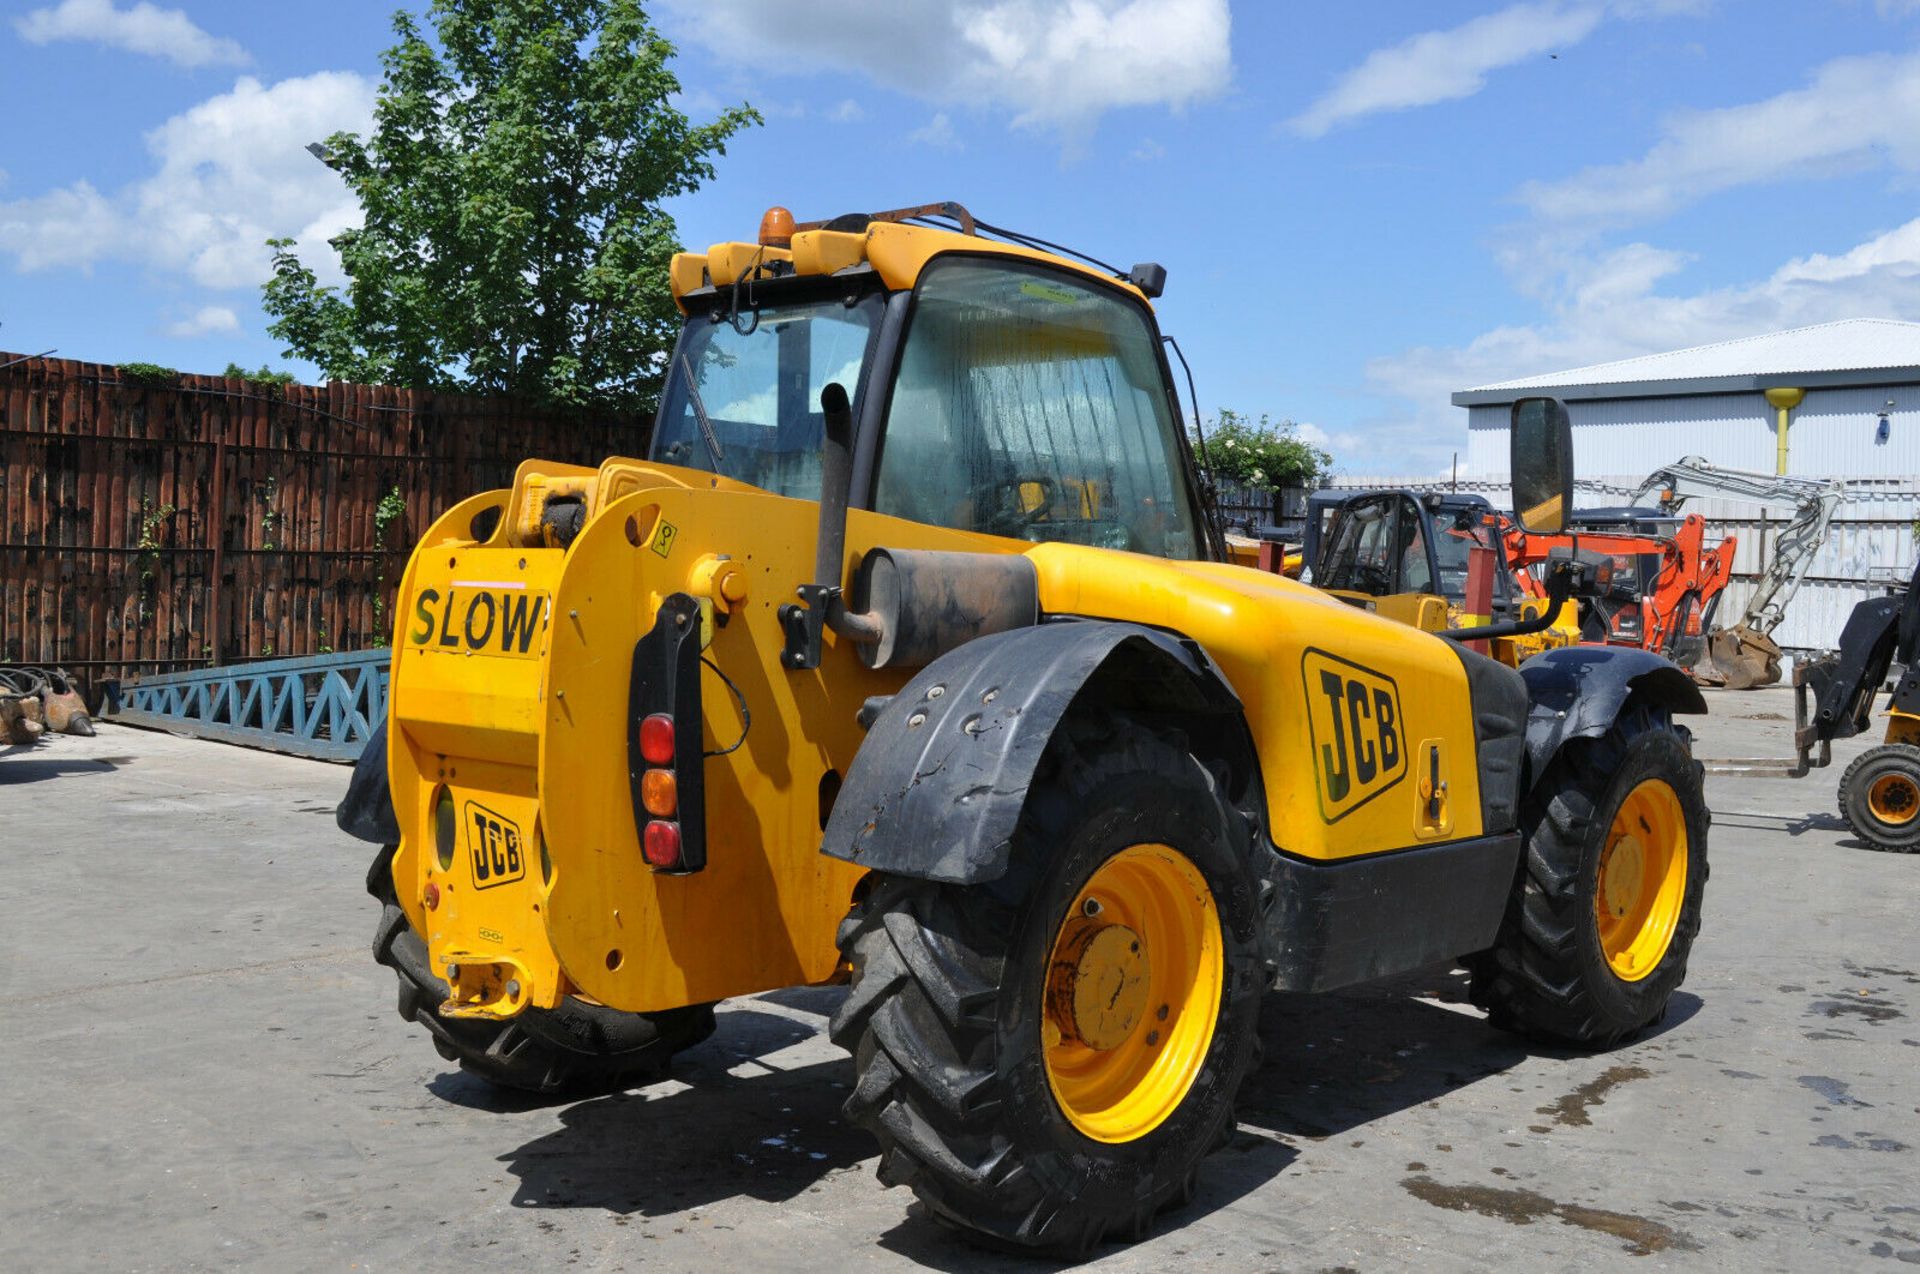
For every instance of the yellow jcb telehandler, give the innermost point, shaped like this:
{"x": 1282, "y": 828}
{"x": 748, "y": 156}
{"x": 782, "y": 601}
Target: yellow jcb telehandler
{"x": 908, "y": 660}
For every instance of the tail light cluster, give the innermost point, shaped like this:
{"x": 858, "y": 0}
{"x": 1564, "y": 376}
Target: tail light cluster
{"x": 664, "y": 759}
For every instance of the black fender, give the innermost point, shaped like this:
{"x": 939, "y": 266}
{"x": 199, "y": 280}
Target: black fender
{"x": 1577, "y": 692}
{"x": 938, "y": 786}
{"x": 366, "y": 811}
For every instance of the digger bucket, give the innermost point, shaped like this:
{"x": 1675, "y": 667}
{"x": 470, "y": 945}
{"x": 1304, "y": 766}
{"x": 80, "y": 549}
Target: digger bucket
{"x": 1739, "y": 658}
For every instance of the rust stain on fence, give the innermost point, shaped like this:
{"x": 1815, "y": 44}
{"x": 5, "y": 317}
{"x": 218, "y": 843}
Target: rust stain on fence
{"x": 154, "y": 527}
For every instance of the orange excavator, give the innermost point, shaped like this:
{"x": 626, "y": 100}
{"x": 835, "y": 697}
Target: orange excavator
{"x": 1666, "y": 582}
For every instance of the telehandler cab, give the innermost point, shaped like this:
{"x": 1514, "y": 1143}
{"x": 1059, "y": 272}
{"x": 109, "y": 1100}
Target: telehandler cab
{"x": 909, "y": 660}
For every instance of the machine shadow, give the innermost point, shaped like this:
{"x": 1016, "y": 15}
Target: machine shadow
{"x": 767, "y": 1136}
{"x": 19, "y": 770}
{"x": 1792, "y": 826}
{"x": 1331, "y": 1064}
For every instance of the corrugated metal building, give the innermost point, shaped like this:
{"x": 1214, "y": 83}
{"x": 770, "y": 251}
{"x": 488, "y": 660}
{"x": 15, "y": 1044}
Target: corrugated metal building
{"x": 1710, "y": 401}
{"x": 1859, "y": 421}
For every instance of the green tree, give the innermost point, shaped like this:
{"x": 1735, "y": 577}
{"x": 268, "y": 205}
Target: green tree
{"x": 262, "y": 375}
{"x": 1260, "y": 453}
{"x": 513, "y": 240}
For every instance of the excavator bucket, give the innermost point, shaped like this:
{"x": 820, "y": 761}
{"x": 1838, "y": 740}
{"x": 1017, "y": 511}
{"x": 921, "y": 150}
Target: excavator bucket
{"x": 1739, "y": 658}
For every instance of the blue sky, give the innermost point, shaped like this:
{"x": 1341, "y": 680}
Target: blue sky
{"x": 1361, "y": 207}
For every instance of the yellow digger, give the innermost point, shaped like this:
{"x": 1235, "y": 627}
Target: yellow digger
{"x": 908, "y": 659}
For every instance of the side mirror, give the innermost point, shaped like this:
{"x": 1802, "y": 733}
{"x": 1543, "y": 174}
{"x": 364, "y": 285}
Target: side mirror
{"x": 1542, "y": 464}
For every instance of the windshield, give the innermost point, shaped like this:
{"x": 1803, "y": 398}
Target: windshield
{"x": 1453, "y": 545}
{"x": 743, "y": 393}
{"x": 1032, "y": 405}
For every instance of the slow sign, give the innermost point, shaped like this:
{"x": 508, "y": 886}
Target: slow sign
{"x": 482, "y": 617}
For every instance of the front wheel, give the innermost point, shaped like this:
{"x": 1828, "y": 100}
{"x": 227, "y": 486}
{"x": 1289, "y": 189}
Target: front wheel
{"x": 1046, "y": 1058}
{"x": 1880, "y": 797}
{"x": 1607, "y": 902}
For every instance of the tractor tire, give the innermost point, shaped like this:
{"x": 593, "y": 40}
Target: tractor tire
{"x": 1007, "y": 1124}
{"x": 1607, "y": 900}
{"x": 573, "y": 1048}
{"x": 1880, "y": 797}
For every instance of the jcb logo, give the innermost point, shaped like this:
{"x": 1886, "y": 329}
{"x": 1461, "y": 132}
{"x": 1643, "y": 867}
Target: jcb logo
{"x": 1353, "y": 717}
{"x": 493, "y": 845}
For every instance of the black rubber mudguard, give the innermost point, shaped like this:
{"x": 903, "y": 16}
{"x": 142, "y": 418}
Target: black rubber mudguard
{"x": 941, "y": 779}
{"x": 1576, "y": 692}
{"x": 366, "y": 811}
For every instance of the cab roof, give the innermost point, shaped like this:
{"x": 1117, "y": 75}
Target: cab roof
{"x": 895, "y": 251}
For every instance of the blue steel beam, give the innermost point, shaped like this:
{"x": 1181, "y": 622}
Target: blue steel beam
{"x": 323, "y": 706}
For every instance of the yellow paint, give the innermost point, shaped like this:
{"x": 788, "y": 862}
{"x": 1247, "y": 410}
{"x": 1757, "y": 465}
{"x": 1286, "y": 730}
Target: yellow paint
{"x": 540, "y": 740}
{"x": 1902, "y": 727}
{"x": 1642, "y": 882}
{"x": 687, "y": 273}
{"x": 897, "y": 252}
{"x": 1783, "y": 401}
{"x": 763, "y": 912}
{"x": 1894, "y": 799}
{"x": 827, "y": 251}
{"x": 1433, "y": 815}
{"x": 1133, "y": 988}
{"x": 729, "y": 262}
{"x": 463, "y": 723}
{"x": 1257, "y": 627}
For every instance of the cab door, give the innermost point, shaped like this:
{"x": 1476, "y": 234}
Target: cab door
{"x": 1380, "y": 545}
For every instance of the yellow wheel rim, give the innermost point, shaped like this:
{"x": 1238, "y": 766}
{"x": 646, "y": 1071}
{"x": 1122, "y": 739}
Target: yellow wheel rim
{"x": 1894, "y": 799}
{"x": 1643, "y": 880}
{"x": 1133, "y": 987}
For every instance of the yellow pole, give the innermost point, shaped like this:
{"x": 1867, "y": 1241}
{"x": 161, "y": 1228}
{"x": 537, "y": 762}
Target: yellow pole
{"x": 1783, "y": 401}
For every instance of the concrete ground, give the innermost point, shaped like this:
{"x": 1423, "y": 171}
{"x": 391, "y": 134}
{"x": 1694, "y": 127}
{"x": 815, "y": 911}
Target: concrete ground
{"x": 203, "y": 1069}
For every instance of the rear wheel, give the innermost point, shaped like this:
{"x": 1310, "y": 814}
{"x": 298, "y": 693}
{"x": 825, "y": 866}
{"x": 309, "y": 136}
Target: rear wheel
{"x": 1607, "y": 903}
{"x": 1880, "y": 797}
{"x": 1045, "y": 1059}
{"x": 573, "y": 1047}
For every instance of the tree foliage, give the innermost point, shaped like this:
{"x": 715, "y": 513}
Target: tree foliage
{"x": 1260, "y": 453}
{"x": 513, "y": 240}
{"x": 261, "y": 375}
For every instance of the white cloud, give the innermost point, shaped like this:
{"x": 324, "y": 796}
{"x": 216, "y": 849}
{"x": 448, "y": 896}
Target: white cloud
{"x": 1854, "y": 113}
{"x": 143, "y": 28}
{"x": 1147, "y": 151}
{"x": 845, "y": 111}
{"x": 205, "y": 321}
{"x": 229, "y": 174}
{"x": 937, "y": 133}
{"x": 1053, "y": 63}
{"x": 1612, "y": 307}
{"x": 63, "y": 227}
{"x": 1314, "y": 435}
{"x": 1442, "y": 66}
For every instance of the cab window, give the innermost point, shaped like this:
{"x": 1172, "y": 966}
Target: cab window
{"x": 1032, "y": 405}
{"x": 1361, "y": 555}
{"x": 1415, "y": 573}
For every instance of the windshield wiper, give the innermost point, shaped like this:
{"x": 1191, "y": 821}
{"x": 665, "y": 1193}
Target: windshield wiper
{"x": 707, "y": 435}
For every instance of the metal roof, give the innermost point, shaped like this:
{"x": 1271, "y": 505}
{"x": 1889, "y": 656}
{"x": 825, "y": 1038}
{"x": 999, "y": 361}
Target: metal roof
{"x": 1859, "y": 351}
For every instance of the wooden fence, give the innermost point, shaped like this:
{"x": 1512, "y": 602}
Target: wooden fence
{"x": 199, "y": 520}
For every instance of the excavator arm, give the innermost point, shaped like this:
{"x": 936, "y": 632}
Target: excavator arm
{"x": 1745, "y": 653}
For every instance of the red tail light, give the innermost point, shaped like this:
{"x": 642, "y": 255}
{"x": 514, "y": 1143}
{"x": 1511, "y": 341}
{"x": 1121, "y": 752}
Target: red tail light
{"x": 656, "y": 739}
{"x": 664, "y": 760}
{"x": 662, "y": 844}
